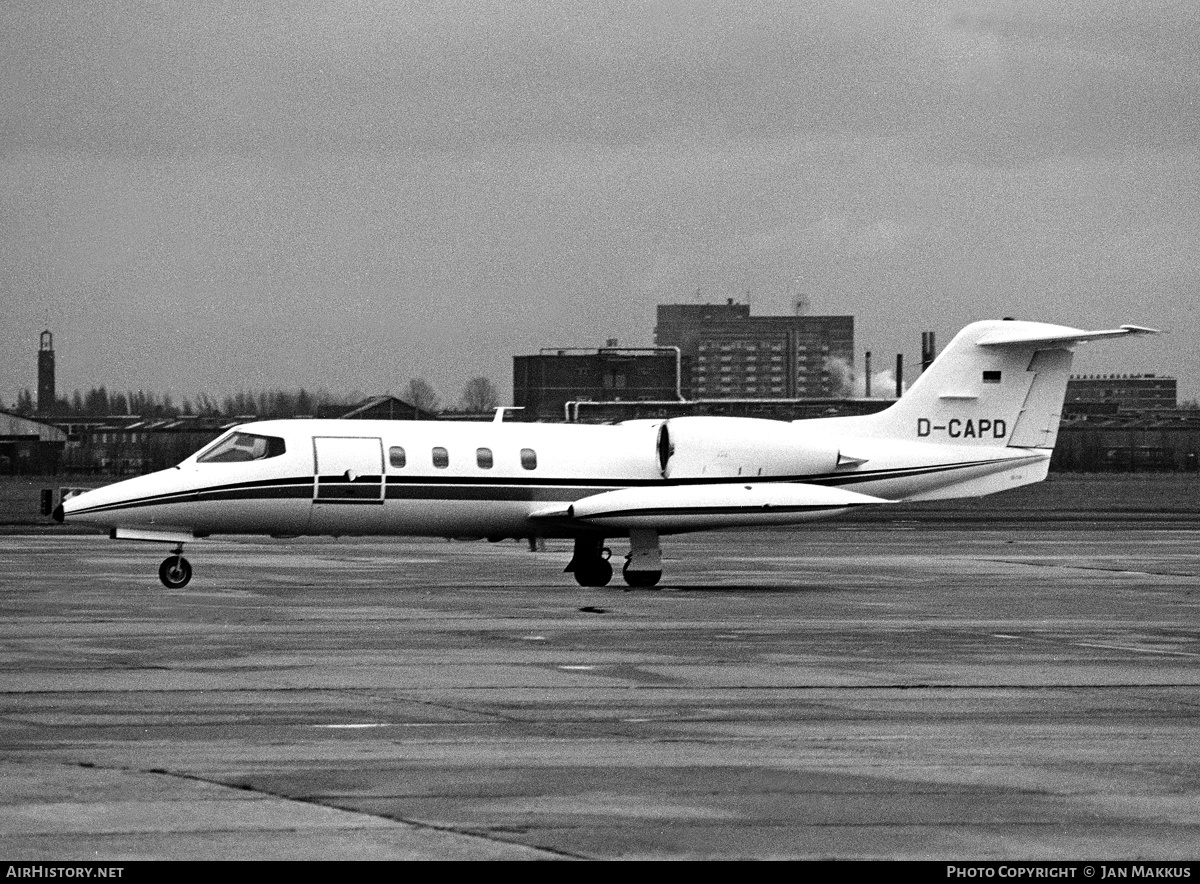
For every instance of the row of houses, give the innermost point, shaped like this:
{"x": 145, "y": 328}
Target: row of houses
{"x": 131, "y": 445}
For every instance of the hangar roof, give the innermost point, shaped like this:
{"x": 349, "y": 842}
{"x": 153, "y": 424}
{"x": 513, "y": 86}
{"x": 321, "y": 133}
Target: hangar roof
{"x": 13, "y": 426}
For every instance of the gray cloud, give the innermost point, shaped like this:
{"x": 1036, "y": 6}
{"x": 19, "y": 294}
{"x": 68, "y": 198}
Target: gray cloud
{"x": 184, "y": 78}
{"x": 200, "y": 196}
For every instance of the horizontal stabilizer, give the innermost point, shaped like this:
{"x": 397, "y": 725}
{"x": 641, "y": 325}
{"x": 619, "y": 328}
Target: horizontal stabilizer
{"x": 699, "y": 507}
{"x": 1029, "y": 333}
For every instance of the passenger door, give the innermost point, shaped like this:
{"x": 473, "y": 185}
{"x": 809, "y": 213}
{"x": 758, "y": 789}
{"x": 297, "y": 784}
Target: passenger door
{"x": 348, "y": 469}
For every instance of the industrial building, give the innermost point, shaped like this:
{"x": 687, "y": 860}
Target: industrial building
{"x": 548, "y": 385}
{"x": 29, "y": 447}
{"x": 378, "y": 408}
{"x": 587, "y": 411}
{"x": 1162, "y": 441}
{"x": 726, "y": 353}
{"x": 713, "y": 359}
{"x": 1120, "y": 392}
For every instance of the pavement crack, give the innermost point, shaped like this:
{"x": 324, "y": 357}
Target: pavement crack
{"x": 462, "y": 831}
{"x": 1108, "y": 569}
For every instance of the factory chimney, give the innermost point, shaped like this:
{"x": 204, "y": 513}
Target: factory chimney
{"x": 45, "y": 399}
{"x": 867, "y": 379}
{"x": 928, "y": 350}
{"x": 899, "y": 375}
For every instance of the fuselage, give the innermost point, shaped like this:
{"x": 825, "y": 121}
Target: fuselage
{"x": 487, "y": 479}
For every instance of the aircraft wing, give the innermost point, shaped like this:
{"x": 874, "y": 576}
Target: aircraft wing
{"x": 711, "y": 505}
{"x": 1040, "y": 333}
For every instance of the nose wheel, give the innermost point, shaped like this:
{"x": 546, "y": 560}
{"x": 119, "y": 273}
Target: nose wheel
{"x": 175, "y": 572}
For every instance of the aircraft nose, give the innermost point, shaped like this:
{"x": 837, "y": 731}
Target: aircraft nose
{"x": 57, "y": 515}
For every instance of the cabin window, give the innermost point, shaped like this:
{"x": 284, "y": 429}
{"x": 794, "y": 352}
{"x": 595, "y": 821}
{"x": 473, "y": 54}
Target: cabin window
{"x": 483, "y": 457}
{"x": 396, "y": 456}
{"x": 529, "y": 458}
{"x": 991, "y": 377}
{"x": 243, "y": 447}
{"x": 441, "y": 458}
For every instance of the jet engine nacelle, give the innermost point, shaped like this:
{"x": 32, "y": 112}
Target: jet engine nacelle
{"x": 728, "y": 447}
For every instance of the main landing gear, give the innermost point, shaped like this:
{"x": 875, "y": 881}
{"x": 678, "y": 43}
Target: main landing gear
{"x": 643, "y": 564}
{"x": 175, "y": 572}
{"x": 590, "y": 562}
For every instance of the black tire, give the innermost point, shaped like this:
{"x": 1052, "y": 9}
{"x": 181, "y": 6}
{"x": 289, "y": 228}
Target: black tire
{"x": 641, "y": 579}
{"x": 595, "y": 573}
{"x": 175, "y": 572}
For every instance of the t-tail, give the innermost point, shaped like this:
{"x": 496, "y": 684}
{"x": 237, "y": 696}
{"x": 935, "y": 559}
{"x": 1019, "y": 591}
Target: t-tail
{"x": 999, "y": 382}
{"x": 984, "y": 416}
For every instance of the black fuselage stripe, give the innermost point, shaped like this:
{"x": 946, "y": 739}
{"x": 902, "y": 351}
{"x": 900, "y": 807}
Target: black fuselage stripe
{"x": 241, "y": 491}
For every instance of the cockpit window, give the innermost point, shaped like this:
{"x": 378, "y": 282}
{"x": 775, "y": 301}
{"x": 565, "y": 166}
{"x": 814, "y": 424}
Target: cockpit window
{"x": 243, "y": 446}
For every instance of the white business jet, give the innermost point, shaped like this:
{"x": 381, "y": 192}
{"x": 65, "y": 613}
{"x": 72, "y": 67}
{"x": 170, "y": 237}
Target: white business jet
{"x": 982, "y": 418}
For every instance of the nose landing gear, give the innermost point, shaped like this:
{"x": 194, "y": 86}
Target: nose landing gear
{"x": 175, "y": 572}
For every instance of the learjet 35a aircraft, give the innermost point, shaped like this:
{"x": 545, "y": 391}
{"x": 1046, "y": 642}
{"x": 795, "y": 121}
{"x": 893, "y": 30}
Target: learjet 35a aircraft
{"x": 982, "y": 418}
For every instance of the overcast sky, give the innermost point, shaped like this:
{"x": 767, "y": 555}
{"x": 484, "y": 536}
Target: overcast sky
{"x": 241, "y": 196}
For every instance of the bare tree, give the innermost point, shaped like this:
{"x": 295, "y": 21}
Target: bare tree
{"x": 420, "y": 393}
{"x": 479, "y": 395}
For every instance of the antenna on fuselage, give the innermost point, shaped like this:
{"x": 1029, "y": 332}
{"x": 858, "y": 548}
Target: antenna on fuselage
{"x": 500, "y": 409}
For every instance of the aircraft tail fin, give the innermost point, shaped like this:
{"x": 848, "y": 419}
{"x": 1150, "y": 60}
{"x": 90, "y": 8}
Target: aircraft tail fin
{"x": 998, "y": 383}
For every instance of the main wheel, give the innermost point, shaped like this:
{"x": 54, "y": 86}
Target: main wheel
{"x": 640, "y": 578}
{"x": 175, "y": 572}
{"x": 595, "y": 573}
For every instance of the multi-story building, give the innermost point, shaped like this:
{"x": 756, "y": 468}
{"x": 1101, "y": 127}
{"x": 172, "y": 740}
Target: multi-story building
{"x": 1136, "y": 392}
{"x": 546, "y": 385}
{"x": 728, "y": 354}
